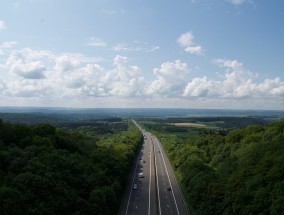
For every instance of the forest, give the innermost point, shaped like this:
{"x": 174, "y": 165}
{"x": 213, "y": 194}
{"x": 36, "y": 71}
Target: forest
{"x": 233, "y": 165}
{"x": 240, "y": 171}
{"x": 80, "y": 169}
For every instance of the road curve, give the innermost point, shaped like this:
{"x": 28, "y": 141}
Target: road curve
{"x": 157, "y": 191}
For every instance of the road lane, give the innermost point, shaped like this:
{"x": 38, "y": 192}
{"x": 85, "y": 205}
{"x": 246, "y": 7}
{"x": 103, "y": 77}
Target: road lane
{"x": 143, "y": 199}
{"x": 173, "y": 202}
{"x": 152, "y": 195}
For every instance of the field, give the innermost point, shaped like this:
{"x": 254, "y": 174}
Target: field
{"x": 189, "y": 124}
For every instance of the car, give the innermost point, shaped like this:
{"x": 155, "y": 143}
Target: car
{"x": 144, "y": 161}
{"x": 135, "y": 186}
{"x": 140, "y": 175}
{"x": 169, "y": 189}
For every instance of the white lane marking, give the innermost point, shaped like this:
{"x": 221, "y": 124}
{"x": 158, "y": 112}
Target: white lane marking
{"x": 157, "y": 176}
{"x": 150, "y": 183}
{"x": 168, "y": 175}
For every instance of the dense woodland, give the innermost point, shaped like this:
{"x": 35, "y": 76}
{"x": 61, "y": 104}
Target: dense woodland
{"x": 77, "y": 170}
{"x": 240, "y": 172}
{"x": 81, "y": 167}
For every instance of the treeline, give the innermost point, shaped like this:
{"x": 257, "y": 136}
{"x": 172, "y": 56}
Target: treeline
{"x": 238, "y": 173}
{"x": 166, "y": 124}
{"x": 44, "y": 170}
{"x": 63, "y": 119}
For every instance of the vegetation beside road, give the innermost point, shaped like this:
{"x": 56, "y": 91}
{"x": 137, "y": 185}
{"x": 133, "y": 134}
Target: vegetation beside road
{"x": 239, "y": 171}
{"x": 80, "y": 169}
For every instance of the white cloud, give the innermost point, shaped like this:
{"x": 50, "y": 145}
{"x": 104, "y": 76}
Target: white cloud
{"x": 199, "y": 87}
{"x": 26, "y": 69}
{"x": 95, "y": 41}
{"x": 237, "y": 82}
{"x": 186, "y": 41}
{"x": 2, "y": 25}
{"x": 65, "y": 63}
{"x": 8, "y": 45}
{"x": 125, "y": 47}
{"x": 194, "y": 50}
{"x": 44, "y": 75}
{"x": 35, "y": 88}
{"x": 171, "y": 77}
{"x": 124, "y": 79}
{"x": 137, "y": 46}
{"x": 30, "y": 70}
{"x": 3, "y": 87}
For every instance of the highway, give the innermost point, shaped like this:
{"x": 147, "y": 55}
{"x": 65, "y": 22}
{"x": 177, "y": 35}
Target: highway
{"x": 156, "y": 191}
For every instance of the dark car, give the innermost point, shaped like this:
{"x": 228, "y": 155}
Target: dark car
{"x": 169, "y": 189}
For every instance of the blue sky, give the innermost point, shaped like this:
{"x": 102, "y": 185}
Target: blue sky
{"x": 125, "y": 53}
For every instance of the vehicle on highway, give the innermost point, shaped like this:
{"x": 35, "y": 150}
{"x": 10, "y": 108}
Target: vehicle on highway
{"x": 140, "y": 175}
{"x": 169, "y": 189}
{"x": 135, "y": 186}
{"x": 144, "y": 161}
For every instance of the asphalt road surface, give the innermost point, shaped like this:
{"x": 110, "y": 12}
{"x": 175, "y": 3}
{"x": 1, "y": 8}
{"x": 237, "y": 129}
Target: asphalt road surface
{"x": 152, "y": 187}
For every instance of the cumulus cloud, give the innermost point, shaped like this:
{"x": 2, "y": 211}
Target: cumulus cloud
{"x": 65, "y": 63}
{"x": 26, "y": 69}
{"x": 237, "y": 82}
{"x": 186, "y": 42}
{"x": 30, "y": 70}
{"x": 31, "y": 88}
{"x": 199, "y": 87}
{"x": 124, "y": 79}
{"x": 170, "y": 79}
{"x": 2, "y": 25}
{"x": 73, "y": 76}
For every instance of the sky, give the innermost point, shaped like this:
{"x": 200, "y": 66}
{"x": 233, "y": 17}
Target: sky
{"x": 224, "y": 54}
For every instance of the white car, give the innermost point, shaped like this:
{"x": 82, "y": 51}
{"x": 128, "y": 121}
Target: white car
{"x": 135, "y": 186}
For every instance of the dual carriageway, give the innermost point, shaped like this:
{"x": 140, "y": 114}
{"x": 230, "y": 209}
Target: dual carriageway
{"x": 152, "y": 187}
